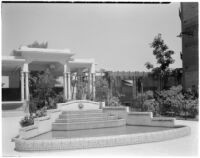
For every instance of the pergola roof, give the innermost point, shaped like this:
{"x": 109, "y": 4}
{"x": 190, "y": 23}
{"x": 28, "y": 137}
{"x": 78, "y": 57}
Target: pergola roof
{"x": 77, "y": 64}
{"x": 41, "y": 58}
{"x": 44, "y": 54}
{"x": 11, "y": 63}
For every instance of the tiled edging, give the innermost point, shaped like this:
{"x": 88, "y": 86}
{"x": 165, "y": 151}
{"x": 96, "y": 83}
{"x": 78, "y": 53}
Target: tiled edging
{"x": 98, "y": 142}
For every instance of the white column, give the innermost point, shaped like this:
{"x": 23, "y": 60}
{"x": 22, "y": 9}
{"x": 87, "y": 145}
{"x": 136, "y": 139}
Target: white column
{"x": 75, "y": 88}
{"x": 22, "y": 85}
{"x": 68, "y": 86}
{"x": 26, "y": 81}
{"x": 27, "y": 98}
{"x": 93, "y": 80}
{"x": 27, "y": 86}
{"x": 65, "y": 82}
{"x": 93, "y": 86}
{"x": 89, "y": 85}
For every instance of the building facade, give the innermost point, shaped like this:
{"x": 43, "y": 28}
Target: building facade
{"x": 189, "y": 23}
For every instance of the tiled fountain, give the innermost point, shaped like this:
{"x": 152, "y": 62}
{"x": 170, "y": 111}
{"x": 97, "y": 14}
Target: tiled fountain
{"x": 94, "y": 125}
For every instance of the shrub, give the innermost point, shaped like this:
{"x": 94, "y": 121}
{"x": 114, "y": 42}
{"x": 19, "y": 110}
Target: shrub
{"x": 174, "y": 100}
{"x": 59, "y": 98}
{"x": 191, "y": 108}
{"x": 27, "y": 121}
{"x": 114, "y": 101}
{"x": 41, "y": 90}
{"x": 151, "y": 105}
{"x": 42, "y": 112}
{"x": 102, "y": 89}
{"x": 143, "y": 98}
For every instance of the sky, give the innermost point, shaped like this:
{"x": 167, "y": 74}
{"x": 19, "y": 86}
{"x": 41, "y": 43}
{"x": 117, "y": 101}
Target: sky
{"x": 117, "y": 36}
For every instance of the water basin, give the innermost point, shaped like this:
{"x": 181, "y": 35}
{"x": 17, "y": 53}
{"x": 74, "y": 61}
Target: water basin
{"x": 99, "y": 132}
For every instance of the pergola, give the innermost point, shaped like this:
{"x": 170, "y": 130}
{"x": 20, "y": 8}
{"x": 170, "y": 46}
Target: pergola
{"x": 26, "y": 59}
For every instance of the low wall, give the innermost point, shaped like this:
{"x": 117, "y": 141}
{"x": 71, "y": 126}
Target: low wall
{"x": 85, "y": 105}
{"x": 139, "y": 118}
{"x": 41, "y": 125}
{"x": 97, "y": 142}
{"x": 12, "y": 108}
{"x": 146, "y": 119}
{"x": 120, "y": 112}
{"x": 28, "y": 132}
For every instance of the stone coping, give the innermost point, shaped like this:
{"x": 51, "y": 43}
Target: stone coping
{"x": 28, "y": 128}
{"x": 163, "y": 119}
{"x": 81, "y": 111}
{"x": 53, "y": 110}
{"x": 98, "y": 142}
{"x": 140, "y": 113}
{"x": 42, "y": 118}
{"x": 114, "y": 108}
{"x": 79, "y": 101}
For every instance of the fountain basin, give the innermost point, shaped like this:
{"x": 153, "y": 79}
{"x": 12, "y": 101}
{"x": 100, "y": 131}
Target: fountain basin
{"x": 64, "y": 129}
{"x": 100, "y": 139}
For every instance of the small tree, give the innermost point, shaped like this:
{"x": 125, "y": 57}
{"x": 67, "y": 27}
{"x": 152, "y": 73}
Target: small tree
{"x": 164, "y": 59}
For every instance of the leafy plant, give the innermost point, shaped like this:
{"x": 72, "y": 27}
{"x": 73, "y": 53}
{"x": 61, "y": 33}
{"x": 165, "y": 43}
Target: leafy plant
{"x": 27, "y": 121}
{"x": 81, "y": 84}
{"x": 41, "y": 90}
{"x": 42, "y": 112}
{"x": 152, "y": 105}
{"x": 114, "y": 101}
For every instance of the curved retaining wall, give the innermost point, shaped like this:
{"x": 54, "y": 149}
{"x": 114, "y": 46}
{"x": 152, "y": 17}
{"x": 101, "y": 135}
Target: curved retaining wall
{"x": 97, "y": 142}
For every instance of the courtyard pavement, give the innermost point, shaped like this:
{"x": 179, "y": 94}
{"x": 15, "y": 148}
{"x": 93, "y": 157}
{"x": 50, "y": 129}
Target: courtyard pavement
{"x": 185, "y": 146}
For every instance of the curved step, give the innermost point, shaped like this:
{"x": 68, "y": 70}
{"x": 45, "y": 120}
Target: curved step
{"x": 82, "y": 111}
{"x": 88, "y": 125}
{"x": 70, "y": 120}
{"x": 81, "y": 115}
